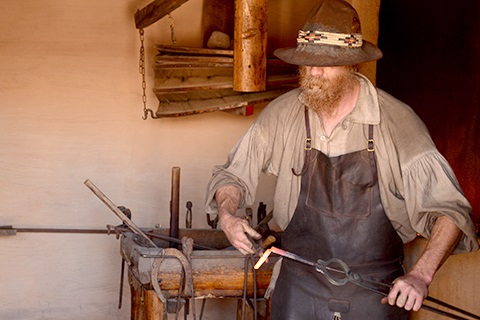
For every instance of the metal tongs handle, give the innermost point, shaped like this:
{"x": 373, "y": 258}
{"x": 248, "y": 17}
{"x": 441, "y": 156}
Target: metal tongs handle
{"x": 339, "y": 266}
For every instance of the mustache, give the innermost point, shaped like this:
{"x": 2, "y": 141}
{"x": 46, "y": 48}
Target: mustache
{"x": 309, "y": 82}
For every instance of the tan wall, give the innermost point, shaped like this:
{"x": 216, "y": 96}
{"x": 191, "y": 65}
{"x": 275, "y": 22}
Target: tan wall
{"x": 70, "y": 109}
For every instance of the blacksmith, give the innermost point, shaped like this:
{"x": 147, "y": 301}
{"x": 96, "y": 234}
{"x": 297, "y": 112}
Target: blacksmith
{"x": 358, "y": 175}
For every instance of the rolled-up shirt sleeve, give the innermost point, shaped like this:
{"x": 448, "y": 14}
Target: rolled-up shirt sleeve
{"x": 432, "y": 190}
{"x": 245, "y": 163}
{"x": 273, "y": 145}
{"x": 417, "y": 183}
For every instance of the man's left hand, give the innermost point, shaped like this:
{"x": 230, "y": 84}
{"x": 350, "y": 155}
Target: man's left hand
{"x": 408, "y": 292}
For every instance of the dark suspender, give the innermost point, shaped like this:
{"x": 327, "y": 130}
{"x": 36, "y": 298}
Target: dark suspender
{"x": 308, "y": 145}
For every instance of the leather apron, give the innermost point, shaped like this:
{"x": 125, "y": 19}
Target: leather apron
{"x": 339, "y": 215}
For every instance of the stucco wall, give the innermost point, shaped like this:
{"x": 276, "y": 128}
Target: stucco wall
{"x": 70, "y": 109}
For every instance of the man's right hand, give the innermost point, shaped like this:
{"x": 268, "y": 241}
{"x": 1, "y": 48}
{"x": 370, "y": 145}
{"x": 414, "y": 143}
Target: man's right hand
{"x": 235, "y": 228}
{"x": 228, "y": 200}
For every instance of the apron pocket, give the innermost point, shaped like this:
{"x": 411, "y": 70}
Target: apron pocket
{"x": 337, "y": 305}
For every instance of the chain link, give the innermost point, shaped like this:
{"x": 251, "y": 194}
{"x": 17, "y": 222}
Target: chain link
{"x": 141, "y": 69}
{"x": 172, "y": 29}
{"x": 141, "y": 65}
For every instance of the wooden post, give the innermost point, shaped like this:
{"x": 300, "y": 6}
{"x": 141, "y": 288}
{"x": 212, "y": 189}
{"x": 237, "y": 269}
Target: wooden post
{"x": 250, "y": 45}
{"x": 368, "y": 12}
{"x": 175, "y": 206}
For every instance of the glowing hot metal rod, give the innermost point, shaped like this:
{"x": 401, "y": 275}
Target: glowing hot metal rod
{"x": 282, "y": 253}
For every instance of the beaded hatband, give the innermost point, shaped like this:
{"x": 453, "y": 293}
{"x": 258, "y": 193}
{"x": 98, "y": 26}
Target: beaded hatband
{"x": 337, "y": 39}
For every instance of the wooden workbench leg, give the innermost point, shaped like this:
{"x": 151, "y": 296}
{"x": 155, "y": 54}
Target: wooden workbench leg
{"x": 154, "y": 308}
{"x": 136, "y": 303}
{"x": 145, "y": 304}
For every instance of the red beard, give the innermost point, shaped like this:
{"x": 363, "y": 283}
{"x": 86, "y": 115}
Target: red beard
{"x": 323, "y": 95}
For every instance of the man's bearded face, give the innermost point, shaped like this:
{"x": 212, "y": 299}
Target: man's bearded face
{"x": 322, "y": 93}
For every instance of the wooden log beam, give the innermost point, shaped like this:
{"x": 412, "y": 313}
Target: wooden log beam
{"x": 250, "y": 45}
{"x": 155, "y": 11}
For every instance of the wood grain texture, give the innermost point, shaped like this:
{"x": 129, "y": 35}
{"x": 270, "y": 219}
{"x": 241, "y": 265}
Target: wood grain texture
{"x": 250, "y": 45}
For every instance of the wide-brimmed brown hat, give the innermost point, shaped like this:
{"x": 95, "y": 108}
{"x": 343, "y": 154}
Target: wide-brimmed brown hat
{"x": 331, "y": 36}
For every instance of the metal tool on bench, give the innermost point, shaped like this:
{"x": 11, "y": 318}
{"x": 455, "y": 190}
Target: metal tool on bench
{"x": 122, "y": 214}
{"x": 338, "y": 273}
{"x": 118, "y": 212}
{"x": 127, "y": 222}
{"x": 212, "y": 222}
{"x": 188, "y": 215}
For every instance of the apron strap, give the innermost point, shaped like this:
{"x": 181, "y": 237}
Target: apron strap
{"x": 371, "y": 151}
{"x": 308, "y": 146}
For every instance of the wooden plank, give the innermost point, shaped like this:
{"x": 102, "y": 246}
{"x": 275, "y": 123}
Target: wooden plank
{"x": 217, "y": 281}
{"x": 194, "y": 97}
{"x": 155, "y": 11}
{"x": 193, "y": 50}
{"x": 192, "y": 59}
{"x": 187, "y": 108}
{"x": 216, "y": 84}
{"x": 181, "y": 61}
{"x": 191, "y": 80}
{"x": 185, "y": 74}
{"x": 192, "y": 64}
{"x": 193, "y": 88}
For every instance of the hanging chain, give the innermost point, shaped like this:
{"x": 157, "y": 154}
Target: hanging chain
{"x": 141, "y": 66}
{"x": 141, "y": 69}
{"x": 172, "y": 29}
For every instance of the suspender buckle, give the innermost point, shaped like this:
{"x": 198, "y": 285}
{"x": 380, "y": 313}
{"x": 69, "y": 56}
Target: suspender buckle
{"x": 308, "y": 144}
{"x": 370, "y": 145}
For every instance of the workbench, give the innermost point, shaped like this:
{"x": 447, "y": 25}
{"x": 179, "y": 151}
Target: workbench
{"x": 159, "y": 277}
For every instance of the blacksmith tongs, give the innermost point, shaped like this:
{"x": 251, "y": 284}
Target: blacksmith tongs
{"x": 345, "y": 275}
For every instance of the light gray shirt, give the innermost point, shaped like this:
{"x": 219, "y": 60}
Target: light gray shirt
{"x": 416, "y": 182}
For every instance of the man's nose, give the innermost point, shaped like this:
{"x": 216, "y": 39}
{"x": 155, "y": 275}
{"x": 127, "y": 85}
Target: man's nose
{"x": 316, "y": 71}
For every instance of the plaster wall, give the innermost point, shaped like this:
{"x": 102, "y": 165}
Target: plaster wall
{"x": 71, "y": 110}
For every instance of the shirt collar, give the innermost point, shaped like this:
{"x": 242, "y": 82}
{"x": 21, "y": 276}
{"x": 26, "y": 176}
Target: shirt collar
{"x": 367, "y": 109}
